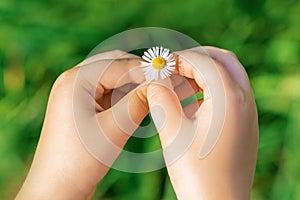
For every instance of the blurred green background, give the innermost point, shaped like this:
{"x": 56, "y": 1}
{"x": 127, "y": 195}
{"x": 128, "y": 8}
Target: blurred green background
{"x": 41, "y": 39}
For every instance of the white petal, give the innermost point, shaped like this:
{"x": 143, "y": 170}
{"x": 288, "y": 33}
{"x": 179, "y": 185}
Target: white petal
{"x": 156, "y": 74}
{"x": 169, "y": 56}
{"x": 146, "y": 58}
{"x": 148, "y": 70}
{"x": 166, "y": 72}
{"x": 162, "y": 75}
{"x": 171, "y": 63}
{"x": 148, "y": 78}
{"x": 171, "y": 59}
{"x": 145, "y": 71}
{"x": 148, "y": 55}
{"x": 165, "y": 53}
{"x": 148, "y": 73}
{"x": 161, "y": 51}
{"x": 151, "y": 53}
{"x": 145, "y": 64}
{"x": 153, "y": 75}
{"x": 171, "y": 69}
{"x": 155, "y": 50}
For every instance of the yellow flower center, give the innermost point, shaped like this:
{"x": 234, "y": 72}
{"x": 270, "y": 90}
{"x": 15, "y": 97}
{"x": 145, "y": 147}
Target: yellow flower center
{"x": 158, "y": 63}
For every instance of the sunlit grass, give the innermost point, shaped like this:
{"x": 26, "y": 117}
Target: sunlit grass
{"x": 40, "y": 39}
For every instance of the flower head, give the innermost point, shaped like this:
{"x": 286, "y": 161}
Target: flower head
{"x": 158, "y": 61}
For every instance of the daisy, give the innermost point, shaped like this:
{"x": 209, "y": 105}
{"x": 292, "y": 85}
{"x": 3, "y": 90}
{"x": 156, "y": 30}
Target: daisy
{"x": 158, "y": 61}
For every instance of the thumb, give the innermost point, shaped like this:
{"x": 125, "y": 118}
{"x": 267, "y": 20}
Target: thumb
{"x": 123, "y": 118}
{"x": 176, "y": 131}
{"x": 106, "y": 133}
{"x": 165, "y": 109}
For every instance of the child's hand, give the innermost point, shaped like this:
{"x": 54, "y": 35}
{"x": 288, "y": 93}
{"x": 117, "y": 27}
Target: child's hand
{"x": 227, "y": 171}
{"x": 62, "y": 167}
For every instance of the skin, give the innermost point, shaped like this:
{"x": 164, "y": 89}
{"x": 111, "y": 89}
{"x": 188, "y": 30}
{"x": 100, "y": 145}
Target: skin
{"x": 227, "y": 171}
{"x": 63, "y": 168}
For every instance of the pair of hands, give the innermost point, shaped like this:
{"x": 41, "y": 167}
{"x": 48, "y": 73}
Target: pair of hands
{"x": 63, "y": 168}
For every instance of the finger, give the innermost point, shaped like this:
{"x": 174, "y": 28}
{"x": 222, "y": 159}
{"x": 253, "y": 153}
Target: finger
{"x": 99, "y": 77}
{"x": 218, "y": 88}
{"x": 191, "y": 108}
{"x": 175, "y": 130}
{"x": 104, "y": 134}
{"x": 209, "y": 74}
{"x": 115, "y": 54}
{"x": 122, "y": 71}
{"x": 120, "y": 77}
{"x": 229, "y": 60}
{"x": 122, "y": 119}
{"x": 111, "y": 97}
{"x": 165, "y": 109}
{"x": 90, "y": 196}
{"x": 105, "y": 101}
{"x": 186, "y": 88}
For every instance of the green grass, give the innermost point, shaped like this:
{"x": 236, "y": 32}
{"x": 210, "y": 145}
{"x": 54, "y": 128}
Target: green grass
{"x": 41, "y": 39}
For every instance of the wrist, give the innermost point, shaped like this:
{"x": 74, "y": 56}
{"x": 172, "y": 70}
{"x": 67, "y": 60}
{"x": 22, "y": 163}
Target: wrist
{"x": 192, "y": 184}
{"x": 51, "y": 186}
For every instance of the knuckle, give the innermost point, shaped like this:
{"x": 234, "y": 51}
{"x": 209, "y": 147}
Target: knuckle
{"x": 243, "y": 106}
{"x": 117, "y": 52}
{"x": 140, "y": 99}
{"x": 66, "y": 78}
{"x": 141, "y": 94}
{"x": 157, "y": 93}
{"x": 230, "y": 53}
{"x": 237, "y": 96}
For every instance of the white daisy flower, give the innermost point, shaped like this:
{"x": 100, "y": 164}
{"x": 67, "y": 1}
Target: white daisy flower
{"x": 158, "y": 61}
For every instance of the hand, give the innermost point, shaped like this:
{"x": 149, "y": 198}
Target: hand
{"x": 225, "y": 169}
{"x": 62, "y": 167}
